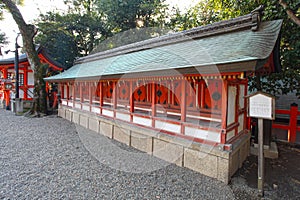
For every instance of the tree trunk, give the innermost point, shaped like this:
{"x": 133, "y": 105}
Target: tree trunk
{"x": 28, "y": 31}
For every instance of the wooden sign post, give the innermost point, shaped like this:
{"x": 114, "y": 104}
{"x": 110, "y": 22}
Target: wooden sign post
{"x": 261, "y": 106}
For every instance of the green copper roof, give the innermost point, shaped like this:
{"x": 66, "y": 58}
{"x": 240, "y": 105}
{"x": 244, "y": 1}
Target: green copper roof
{"x": 224, "y": 48}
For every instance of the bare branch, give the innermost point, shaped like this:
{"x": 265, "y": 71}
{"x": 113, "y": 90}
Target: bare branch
{"x": 289, "y": 12}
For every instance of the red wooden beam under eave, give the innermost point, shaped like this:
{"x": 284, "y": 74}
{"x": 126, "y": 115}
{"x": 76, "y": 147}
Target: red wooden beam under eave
{"x": 43, "y": 59}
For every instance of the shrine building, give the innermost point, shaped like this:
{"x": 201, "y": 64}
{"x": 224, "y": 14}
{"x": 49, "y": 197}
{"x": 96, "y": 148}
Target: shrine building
{"x": 26, "y": 79}
{"x": 179, "y": 97}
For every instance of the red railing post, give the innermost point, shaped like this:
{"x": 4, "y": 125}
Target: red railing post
{"x": 293, "y": 123}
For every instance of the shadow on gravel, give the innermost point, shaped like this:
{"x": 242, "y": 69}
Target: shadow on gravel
{"x": 282, "y": 176}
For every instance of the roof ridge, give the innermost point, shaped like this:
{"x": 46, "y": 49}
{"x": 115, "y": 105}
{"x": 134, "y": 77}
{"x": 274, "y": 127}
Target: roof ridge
{"x": 251, "y": 20}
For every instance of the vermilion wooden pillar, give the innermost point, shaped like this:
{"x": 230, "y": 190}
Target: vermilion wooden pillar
{"x": 202, "y": 94}
{"x": 80, "y": 92}
{"x": 100, "y": 96}
{"x": 73, "y": 93}
{"x": 173, "y": 93}
{"x": 90, "y": 84}
{"x": 224, "y": 110}
{"x": 115, "y": 97}
{"x": 131, "y": 100}
{"x": 6, "y": 92}
{"x": 25, "y": 82}
{"x": 183, "y": 104}
{"x": 62, "y": 90}
{"x": 237, "y": 106}
{"x": 68, "y": 92}
{"x": 292, "y": 132}
{"x": 153, "y": 103}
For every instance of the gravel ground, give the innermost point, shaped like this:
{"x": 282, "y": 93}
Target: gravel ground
{"x": 51, "y": 158}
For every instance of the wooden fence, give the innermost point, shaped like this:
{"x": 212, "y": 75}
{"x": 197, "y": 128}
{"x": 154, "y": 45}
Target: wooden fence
{"x": 292, "y": 127}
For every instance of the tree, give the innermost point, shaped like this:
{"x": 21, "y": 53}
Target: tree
{"x": 82, "y": 27}
{"x": 28, "y": 31}
{"x": 88, "y": 23}
{"x": 209, "y": 11}
{"x": 125, "y": 15}
{"x": 57, "y": 39}
{"x": 132, "y": 21}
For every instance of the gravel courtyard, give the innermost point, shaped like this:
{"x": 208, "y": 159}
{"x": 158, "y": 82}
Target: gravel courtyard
{"x": 51, "y": 158}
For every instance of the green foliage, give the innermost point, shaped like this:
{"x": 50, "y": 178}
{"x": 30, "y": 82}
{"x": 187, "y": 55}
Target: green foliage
{"x": 278, "y": 83}
{"x": 74, "y": 34}
{"x": 89, "y": 22}
{"x": 57, "y": 39}
{"x": 123, "y": 15}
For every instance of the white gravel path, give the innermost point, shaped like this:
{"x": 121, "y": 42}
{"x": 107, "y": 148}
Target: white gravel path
{"x": 46, "y": 158}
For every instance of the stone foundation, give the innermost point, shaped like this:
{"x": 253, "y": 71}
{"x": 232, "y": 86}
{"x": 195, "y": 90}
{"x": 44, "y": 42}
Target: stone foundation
{"x": 211, "y": 161}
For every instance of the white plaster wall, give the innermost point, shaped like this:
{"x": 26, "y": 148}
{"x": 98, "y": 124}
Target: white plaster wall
{"x": 241, "y": 123}
{"x": 142, "y": 121}
{"x": 167, "y": 126}
{"x": 232, "y": 92}
{"x": 122, "y": 116}
{"x": 108, "y": 113}
{"x": 203, "y": 134}
{"x": 30, "y": 78}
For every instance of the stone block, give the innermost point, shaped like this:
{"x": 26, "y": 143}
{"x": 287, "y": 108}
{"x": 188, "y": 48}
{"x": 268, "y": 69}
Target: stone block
{"x": 243, "y": 153}
{"x": 122, "y": 135}
{"x": 141, "y": 142}
{"x": 223, "y": 170}
{"x": 94, "y": 125}
{"x": 68, "y": 115}
{"x": 61, "y": 113}
{"x": 76, "y": 118}
{"x": 167, "y": 151}
{"x": 106, "y": 129}
{"x": 203, "y": 163}
{"x": 83, "y": 121}
{"x": 234, "y": 163}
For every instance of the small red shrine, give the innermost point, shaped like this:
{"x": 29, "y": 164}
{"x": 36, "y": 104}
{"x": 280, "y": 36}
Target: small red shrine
{"x": 26, "y": 80}
{"x": 179, "y": 97}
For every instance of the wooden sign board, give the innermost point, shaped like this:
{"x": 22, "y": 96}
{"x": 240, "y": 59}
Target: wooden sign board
{"x": 261, "y": 105}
